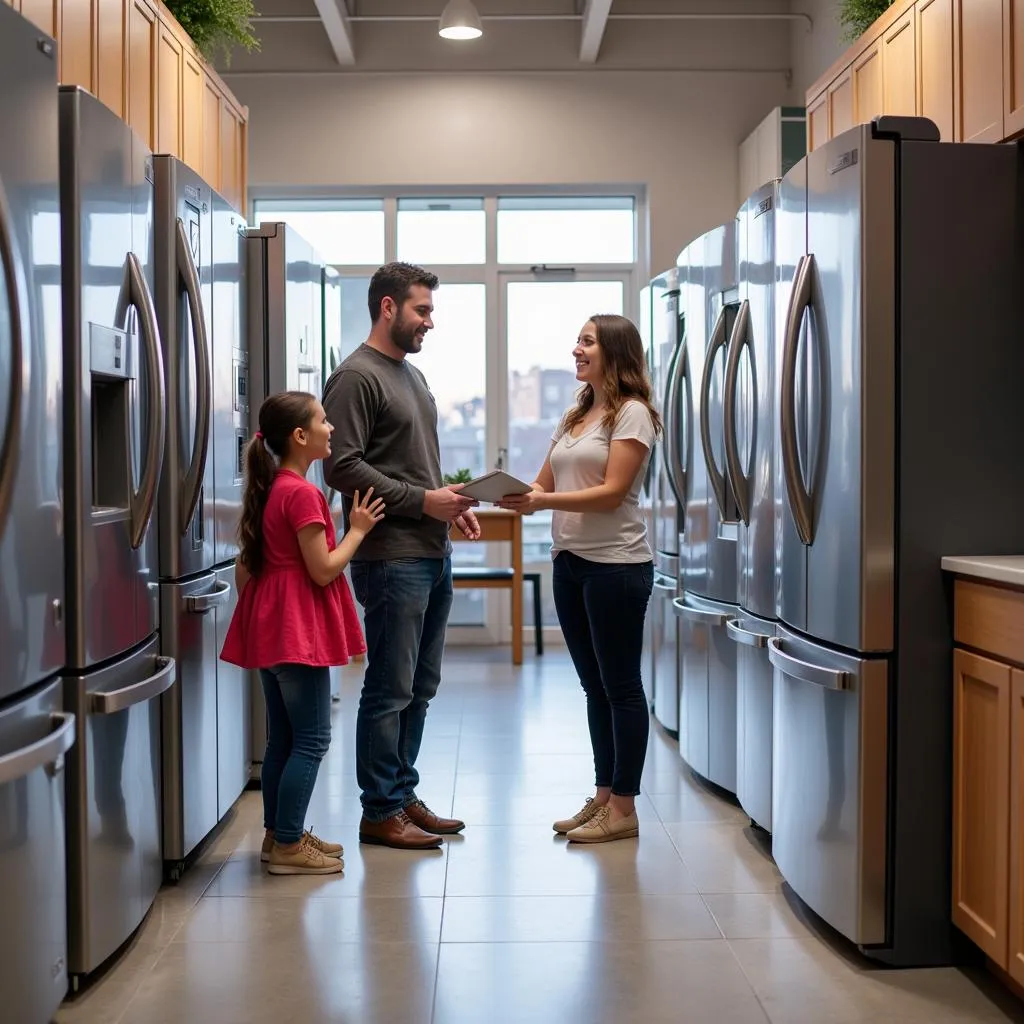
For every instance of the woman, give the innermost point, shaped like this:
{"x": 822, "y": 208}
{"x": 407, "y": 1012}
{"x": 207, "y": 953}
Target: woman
{"x": 295, "y": 617}
{"x": 603, "y": 565}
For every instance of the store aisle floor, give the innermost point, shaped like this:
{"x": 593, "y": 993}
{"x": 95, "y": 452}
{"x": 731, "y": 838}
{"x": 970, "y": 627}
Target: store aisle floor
{"x": 690, "y": 923}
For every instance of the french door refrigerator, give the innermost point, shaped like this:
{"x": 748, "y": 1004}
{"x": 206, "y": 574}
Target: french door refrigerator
{"x": 36, "y": 733}
{"x": 666, "y": 502}
{"x": 286, "y": 352}
{"x": 749, "y": 411}
{"x": 114, "y": 426}
{"x": 899, "y": 368}
{"x": 707, "y": 692}
{"x": 200, "y": 302}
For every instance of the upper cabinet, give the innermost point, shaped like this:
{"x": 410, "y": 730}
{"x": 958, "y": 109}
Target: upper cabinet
{"x": 959, "y": 63}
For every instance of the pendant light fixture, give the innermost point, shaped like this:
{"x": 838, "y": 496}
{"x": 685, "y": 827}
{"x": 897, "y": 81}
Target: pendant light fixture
{"x": 460, "y": 20}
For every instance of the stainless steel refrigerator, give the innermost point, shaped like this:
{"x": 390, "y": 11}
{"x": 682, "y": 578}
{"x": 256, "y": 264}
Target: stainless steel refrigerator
{"x": 750, "y": 412}
{"x": 35, "y": 732}
{"x": 666, "y": 503}
{"x": 707, "y": 693}
{"x": 114, "y": 427}
{"x": 200, "y": 303}
{"x": 899, "y": 367}
{"x": 286, "y": 351}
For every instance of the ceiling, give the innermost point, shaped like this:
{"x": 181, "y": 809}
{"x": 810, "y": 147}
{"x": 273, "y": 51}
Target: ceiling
{"x": 366, "y": 37}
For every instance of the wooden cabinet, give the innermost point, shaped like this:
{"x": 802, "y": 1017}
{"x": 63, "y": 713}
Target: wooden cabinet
{"x": 935, "y": 82}
{"x": 979, "y": 53}
{"x": 868, "y": 85}
{"x": 1013, "y": 67}
{"x": 192, "y": 112}
{"x": 899, "y": 47}
{"x": 840, "y": 105}
{"x": 817, "y": 122}
{"x": 1015, "y": 932}
{"x": 170, "y": 93}
{"x": 141, "y": 46}
{"x": 44, "y": 13}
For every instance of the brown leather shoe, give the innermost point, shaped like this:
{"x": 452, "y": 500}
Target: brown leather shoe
{"x": 398, "y": 832}
{"x": 420, "y": 814}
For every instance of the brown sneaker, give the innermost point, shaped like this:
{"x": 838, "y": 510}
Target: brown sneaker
{"x": 601, "y": 829}
{"x": 305, "y": 859}
{"x": 399, "y": 832}
{"x": 327, "y": 849}
{"x": 581, "y": 817}
{"x": 420, "y": 814}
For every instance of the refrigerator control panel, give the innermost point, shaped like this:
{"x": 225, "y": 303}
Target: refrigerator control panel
{"x": 241, "y": 386}
{"x": 111, "y": 353}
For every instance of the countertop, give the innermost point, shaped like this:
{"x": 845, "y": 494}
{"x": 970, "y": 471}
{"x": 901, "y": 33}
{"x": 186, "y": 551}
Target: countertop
{"x": 997, "y": 568}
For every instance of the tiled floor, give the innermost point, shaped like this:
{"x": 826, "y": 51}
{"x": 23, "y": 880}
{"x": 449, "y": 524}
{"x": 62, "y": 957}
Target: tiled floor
{"x": 691, "y": 923}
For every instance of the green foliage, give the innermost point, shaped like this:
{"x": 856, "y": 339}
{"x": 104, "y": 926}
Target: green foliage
{"x": 463, "y": 476}
{"x": 857, "y": 16}
{"x": 216, "y": 25}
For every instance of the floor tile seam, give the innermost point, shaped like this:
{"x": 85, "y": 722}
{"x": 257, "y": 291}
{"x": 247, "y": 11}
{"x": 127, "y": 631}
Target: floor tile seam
{"x": 748, "y": 979}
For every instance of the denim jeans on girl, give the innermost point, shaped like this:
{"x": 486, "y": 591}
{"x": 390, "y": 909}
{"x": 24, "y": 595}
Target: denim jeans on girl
{"x": 406, "y": 602}
{"x": 601, "y": 608}
{"x": 298, "y": 734}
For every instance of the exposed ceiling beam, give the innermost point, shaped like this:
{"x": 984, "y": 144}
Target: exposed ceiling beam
{"x": 334, "y": 15}
{"x": 595, "y": 18}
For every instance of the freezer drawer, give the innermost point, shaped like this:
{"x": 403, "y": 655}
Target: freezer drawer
{"x": 829, "y": 807}
{"x": 754, "y": 681}
{"x": 234, "y": 726}
{"x": 34, "y": 737}
{"x": 665, "y": 631}
{"x": 115, "y": 859}
{"x": 190, "y": 761}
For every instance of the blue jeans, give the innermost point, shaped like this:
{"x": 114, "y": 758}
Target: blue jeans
{"x": 601, "y": 608}
{"x": 298, "y": 734}
{"x": 406, "y": 602}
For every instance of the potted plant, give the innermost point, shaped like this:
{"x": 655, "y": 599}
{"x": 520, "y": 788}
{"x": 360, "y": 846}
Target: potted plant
{"x": 216, "y": 26}
{"x": 461, "y": 476}
{"x": 857, "y": 16}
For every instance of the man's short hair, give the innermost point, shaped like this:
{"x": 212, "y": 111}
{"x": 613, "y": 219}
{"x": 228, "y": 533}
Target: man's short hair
{"x": 394, "y": 281}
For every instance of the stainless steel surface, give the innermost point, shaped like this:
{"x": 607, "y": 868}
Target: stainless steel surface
{"x": 717, "y": 343}
{"x": 234, "y": 725}
{"x": 184, "y": 297}
{"x": 754, "y": 726}
{"x": 667, "y": 565}
{"x": 829, "y": 678}
{"x": 830, "y": 807}
{"x": 666, "y": 368}
{"x": 115, "y": 860}
{"x": 707, "y": 617}
{"x": 33, "y": 952}
{"x": 665, "y": 637}
{"x": 111, "y": 413}
{"x": 216, "y": 598}
{"x": 32, "y": 642}
{"x": 736, "y": 465}
{"x": 190, "y": 757}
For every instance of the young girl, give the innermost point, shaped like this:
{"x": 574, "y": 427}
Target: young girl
{"x": 295, "y": 617}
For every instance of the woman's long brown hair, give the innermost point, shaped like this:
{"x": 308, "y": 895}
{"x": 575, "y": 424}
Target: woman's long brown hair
{"x": 280, "y": 416}
{"x": 625, "y": 373}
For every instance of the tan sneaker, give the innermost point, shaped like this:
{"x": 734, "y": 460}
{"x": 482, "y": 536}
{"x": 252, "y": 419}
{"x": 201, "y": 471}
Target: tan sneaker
{"x": 601, "y": 829}
{"x": 581, "y": 817}
{"x": 327, "y": 849}
{"x": 305, "y": 859}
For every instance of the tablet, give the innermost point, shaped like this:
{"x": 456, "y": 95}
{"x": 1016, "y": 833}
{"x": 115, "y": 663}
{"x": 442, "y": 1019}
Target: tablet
{"x": 493, "y": 486}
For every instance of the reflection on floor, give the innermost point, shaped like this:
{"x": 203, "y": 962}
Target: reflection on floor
{"x": 507, "y": 923}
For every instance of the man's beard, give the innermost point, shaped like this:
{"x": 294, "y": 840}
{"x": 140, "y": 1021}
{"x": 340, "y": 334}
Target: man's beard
{"x": 404, "y": 337}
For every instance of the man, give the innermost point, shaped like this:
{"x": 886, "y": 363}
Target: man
{"x": 385, "y": 437}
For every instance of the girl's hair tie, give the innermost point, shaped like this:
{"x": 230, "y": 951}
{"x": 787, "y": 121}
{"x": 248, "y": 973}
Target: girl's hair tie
{"x": 259, "y": 435}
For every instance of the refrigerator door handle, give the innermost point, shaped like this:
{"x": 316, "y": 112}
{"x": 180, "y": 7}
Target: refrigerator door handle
{"x": 193, "y": 483}
{"x": 135, "y": 292}
{"x": 745, "y": 636}
{"x": 664, "y": 584}
{"x": 48, "y": 752}
{"x": 137, "y": 693}
{"x": 709, "y": 618}
{"x": 829, "y": 678}
{"x": 737, "y": 343}
{"x": 202, "y": 603}
{"x": 717, "y": 478}
{"x": 19, "y": 385}
{"x": 799, "y": 497}
{"x": 676, "y": 471}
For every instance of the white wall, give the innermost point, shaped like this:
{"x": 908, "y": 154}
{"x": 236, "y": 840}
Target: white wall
{"x": 676, "y": 133}
{"x": 814, "y": 52}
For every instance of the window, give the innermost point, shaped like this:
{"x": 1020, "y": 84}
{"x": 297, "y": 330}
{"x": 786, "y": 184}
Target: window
{"x": 566, "y": 230}
{"x": 435, "y": 232}
{"x": 343, "y": 231}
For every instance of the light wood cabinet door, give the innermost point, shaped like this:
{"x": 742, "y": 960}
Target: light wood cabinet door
{"x": 1013, "y": 67}
{"x": 111, "y": 56}
{"x": 78, "y": 43}
{"x": 192, "y": 114}
{"x": 169, "y": 93}
{"x": 142, "y": 50}
{"x": 232, "y": 140}
{"x": 45, "y": 14}
{"x": 978, "y": 28}
{"x": 211, "y": 133}
{"x": 935, "y": 86}
{"x": 868, "y": 86}
{"x": 817, "y": 122}
{"x": 900, "y": 50}
{"x": 1016, "y": 925}
{"x": 981, "y": 798}
{"x": 840, "y": 105}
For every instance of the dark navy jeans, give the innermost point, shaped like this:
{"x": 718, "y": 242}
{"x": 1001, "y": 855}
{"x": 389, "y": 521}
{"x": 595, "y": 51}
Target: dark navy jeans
{"x": 406, "y": 602}
{"x": 601, "y": 608}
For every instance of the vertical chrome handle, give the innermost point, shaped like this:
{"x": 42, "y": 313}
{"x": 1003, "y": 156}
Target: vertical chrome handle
{"x": 193, "y": 483}
{"x": 18, "y": 384}
{"x": 799, "y": 497}
{"x": 675, "y": 472}
{"x": 739, "y": 340}
{"x": 717, "y": 478}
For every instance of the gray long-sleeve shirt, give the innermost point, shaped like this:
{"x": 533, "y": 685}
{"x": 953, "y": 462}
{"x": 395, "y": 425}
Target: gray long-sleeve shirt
{"x": 385, "y": 437}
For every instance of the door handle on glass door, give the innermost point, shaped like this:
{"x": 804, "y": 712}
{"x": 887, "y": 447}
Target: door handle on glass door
{"x": 202, "y": 603}
{"x": 193, "y": 483}
{"x": 45, "y": 753}
{"x": 745, "y": 636}
{"x": 717, "y": 478}
{"x": 737, "y": 343}
{"x": 136, "y": 693}
{"x": 9, "y": 258}
{"x": 829, "y": 678}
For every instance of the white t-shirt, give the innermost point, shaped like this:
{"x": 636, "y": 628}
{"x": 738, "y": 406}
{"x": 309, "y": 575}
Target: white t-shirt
{"x": 580, "y": 462}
